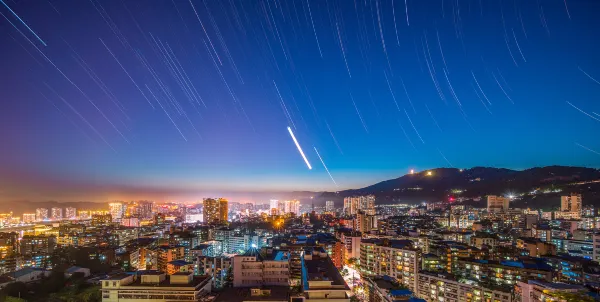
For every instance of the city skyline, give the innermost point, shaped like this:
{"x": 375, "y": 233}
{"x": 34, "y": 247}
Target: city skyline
{"x": 300, "y": 151}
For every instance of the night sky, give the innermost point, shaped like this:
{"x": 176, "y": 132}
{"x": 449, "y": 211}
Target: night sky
{"x": 178, "y": 99}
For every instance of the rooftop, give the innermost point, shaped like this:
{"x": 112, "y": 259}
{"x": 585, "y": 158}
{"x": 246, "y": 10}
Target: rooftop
{"x": 179, "y": 262}
{"x": 278, "y": 293}
{"x": 196, "y": 280}
{"x": 557, "y": 286}
{"x": 24, "y": 271}
{"x": 320, "y": 268}
{"x": 398, "y": 244}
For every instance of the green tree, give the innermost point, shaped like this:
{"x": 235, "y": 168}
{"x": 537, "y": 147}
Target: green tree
{"x": 229, "y": 278}
{"x": 52, "y": 284}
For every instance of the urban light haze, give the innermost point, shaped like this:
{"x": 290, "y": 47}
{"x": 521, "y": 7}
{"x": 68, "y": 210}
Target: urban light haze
{"x": 103, "y": 100}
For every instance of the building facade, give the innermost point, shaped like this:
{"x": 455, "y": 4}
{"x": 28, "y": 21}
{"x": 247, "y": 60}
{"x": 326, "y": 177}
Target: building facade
{"x": 251, "y": 269}
{"x": 497, "y": 203}
{"x": 394, "y": 258}
{"x": 215, "y": 210}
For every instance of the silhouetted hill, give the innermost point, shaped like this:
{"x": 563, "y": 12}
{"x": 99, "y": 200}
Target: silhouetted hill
{"x": 478, "y": 181}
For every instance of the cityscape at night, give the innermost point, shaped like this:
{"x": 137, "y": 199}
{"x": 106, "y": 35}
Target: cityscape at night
{"x": 299, "y": 150}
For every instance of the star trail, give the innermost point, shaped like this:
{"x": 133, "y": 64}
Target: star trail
{"x": 195, "y": 95}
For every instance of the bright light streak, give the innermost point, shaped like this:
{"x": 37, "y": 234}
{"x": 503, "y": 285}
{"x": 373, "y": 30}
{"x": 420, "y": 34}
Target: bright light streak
{"x": 29, "y": 28}
{"x": 584, "y": 147}
{"x": 325, "y": 167}
{"x": 299, "y": 148}
{"x": 583, "y": 111}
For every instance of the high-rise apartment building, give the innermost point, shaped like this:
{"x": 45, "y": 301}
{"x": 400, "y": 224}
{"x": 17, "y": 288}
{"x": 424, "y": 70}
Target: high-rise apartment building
{"x": 364, "y": 222}
{"x": 84, "y": 215}
{"x": 215, "y": 210}
{"x": 146, "y": 208}
{"x": 282, "y": 207}
{"x": 329, "y": 206}
{"x": 28, "y": 217}
{"x": 292, "y": 206}
{"x": 70, "y": 213}
{"x": 395, "y": 258}
{"x": 497, "y": 203}
{"x": 571, "y": 203}
{"x": 41, "y": 214}
{"x": 274, "y": 207}
{"x": 116, "y": 209}
{"x": 57, "y": 213}
{"x": 357, "y": 203}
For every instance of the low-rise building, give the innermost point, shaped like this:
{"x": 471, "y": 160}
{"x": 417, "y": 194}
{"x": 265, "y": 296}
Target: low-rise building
{"x": 214, "y": 267}
{"x": 504, "y": 273}
{"x": 252, "y": 269}
{"x": 321, "y": 280}
{"x": 540, "y": 291}
{"x": 436, "y": 287}
{"x": 155, "y": 287}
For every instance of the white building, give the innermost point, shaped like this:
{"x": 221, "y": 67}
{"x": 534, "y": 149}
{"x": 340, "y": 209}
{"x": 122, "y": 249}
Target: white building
{"x": 193, "y": 218}
{"x": 57, "y": 213}
{"x": 356, "y": 203}
{"x": 234, "y": 243}
{"x": 282, "y": 207}
{"x": 251, "y": 269}
{"x": 116, "y": 209}
{"x": 41, "y": 214}
{"x": 155, "y": 287}
{"x": 70, "y": 213}
{"x": 351, "y": 244}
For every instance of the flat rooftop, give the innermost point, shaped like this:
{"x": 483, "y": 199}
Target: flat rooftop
{"x": 557, "y": 286}
{"x": 196, "y": 280}
{"x": 165, "y": 283}
{"x": 322, "y": 269}
{"x": 278, "y": 293}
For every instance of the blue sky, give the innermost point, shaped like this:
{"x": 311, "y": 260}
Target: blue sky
{"x": 200, "y": 94}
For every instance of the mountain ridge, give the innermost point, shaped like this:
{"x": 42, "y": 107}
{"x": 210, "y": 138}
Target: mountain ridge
{"x": 444, "y": 183}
